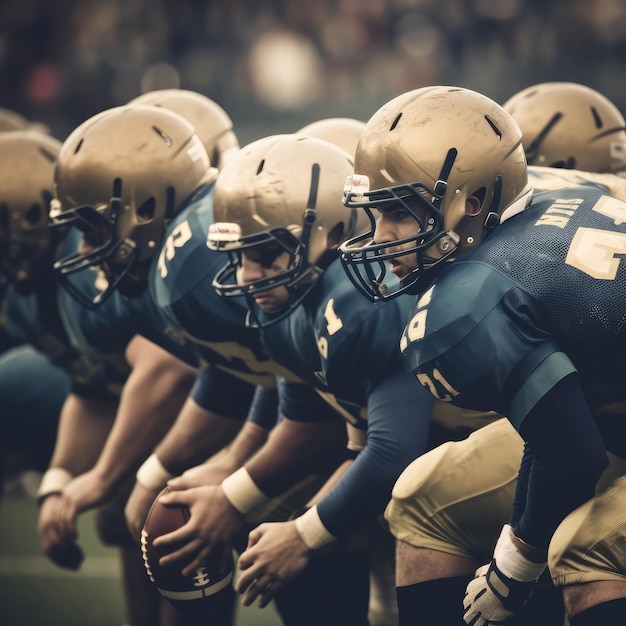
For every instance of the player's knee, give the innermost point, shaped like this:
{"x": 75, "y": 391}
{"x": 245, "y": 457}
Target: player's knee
{"x": 112, "y": 529}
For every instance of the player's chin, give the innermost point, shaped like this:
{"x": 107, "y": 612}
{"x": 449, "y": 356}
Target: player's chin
{"x": 399, "y": 269}
{"x": 266, "y": 303}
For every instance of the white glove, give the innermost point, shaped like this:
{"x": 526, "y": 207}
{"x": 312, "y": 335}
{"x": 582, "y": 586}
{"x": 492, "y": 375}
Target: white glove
{"x": 501, "y": 588}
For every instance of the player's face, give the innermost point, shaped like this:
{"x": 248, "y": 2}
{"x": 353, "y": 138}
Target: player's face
{"x": 262, "y": 262}
{"x": 394, "y": 224}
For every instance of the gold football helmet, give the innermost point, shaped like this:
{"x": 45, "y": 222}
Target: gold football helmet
{"x": 121, "y": 176}
{"x": 571, "y": 126}
{"x": 342, "y": 131}
{"x": 284, "y": 190}
{"x": 213, "y": 125}
{"x": 27, "y": 161}
{"x": 429, "y": 151}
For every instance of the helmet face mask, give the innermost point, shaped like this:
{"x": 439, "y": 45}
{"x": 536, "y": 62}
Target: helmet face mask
{"x": 449, "y": 157}
{"x": 280, "y": 196}
{"x": 120, "y": 178}
{"x": 366, "y": 261}
{"x": 101, "y": 246}
{"x": 26, "y": 189}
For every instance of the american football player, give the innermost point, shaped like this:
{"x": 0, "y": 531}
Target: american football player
{"x": 163, "y": 371}
{"x": 518, "y": 312}
{"x": 144, "y": 221}
{"x": 32, "y": 387}
{"x": 345, "y": 132}
{"x": 69, "y": 387}
{"x": 284, "y": 262}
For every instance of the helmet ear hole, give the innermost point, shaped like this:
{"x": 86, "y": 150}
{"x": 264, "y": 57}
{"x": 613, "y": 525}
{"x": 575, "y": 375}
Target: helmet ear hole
{"x": 146, "y": 212}
{"x": 475, "y": 202}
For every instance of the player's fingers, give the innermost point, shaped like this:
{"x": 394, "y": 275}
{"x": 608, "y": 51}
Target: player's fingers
{"x": 67, "y": 522}
{"x": 185, "y": 553}
{"x": 247, "y": 579}
{"x": 181, "y": 496}
{"x": 256, "y": 589}
{"x": 184, "y": 534}
{"x": 179, "y": 483}
{"x": 267, "y": 595}
{"x": 199, "y": 560}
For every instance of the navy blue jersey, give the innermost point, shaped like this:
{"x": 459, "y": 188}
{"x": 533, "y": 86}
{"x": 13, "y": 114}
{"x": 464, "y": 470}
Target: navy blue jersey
{"x": 49, "y": 319}
{"x": 32, "y": 393}
{"x": 109, "y": 327}
{"x": 541, "y": 298}
{"x": 181, "y": 285}
{"x": 344, "y": 345}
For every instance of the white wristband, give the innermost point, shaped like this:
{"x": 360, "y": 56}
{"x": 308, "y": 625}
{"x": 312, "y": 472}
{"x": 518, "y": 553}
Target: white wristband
{"x": 242, "y": 491}
{"x": 53, "y": 481}
{"x": 152, "y": 475}
{"x": 511, "y": 562}
{"x": 312, "y": 530}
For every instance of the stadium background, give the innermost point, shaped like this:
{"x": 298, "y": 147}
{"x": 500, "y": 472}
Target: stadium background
{"x": 274, "y": 65}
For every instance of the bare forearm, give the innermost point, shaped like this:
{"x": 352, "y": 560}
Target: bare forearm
{"x": 294, "y": 450}
{"x": 83, "y": 428}
{"x": 196, "y": 435}
{"x": 151, "y": 400}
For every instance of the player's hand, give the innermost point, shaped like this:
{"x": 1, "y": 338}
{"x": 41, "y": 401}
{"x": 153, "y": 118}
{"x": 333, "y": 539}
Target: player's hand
{"x": 82, "y": 493}
{"x": 275, "y": 555}
{"x": 137, "y": 508}
{"x": 502, "y": 588}
{"x": 493, "y": 598}
{"x": 213, "y": 521}
{"x": 60, "y": 548}
{"x": 212, "y": 473}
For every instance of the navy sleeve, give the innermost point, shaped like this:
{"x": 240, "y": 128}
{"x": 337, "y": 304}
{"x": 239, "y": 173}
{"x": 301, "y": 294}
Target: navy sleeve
{"x": 300, "y": 402}
{"x": 264, "y": 407}
{"x": 399, "y": 414}
{"x": 564, "y": 454}
{"x": 220, "y": 392}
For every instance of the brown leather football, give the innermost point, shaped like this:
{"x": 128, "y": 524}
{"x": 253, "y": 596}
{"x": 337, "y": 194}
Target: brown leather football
{"x": 189, "y": 594}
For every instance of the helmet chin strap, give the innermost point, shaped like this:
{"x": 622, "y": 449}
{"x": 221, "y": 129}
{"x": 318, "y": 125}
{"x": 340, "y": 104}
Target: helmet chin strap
{"x": 309, "y": 217}
{"x": 442, "y": 180}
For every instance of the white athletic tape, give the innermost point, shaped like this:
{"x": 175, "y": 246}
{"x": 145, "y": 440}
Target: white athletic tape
{"x": 312, "y": 530}
{"x": 52, "y": 482}
{"x": 242, "y": 491}
{"x": 152, "y": 474}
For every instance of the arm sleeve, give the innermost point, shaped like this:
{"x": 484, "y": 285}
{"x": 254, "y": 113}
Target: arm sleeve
{"x": 399, "y": 413}
{"x": 564, "y": 454}
{"x": 300, "y": 402}
{"x": 222, "y": 393}
{"x": 264, "y": 407}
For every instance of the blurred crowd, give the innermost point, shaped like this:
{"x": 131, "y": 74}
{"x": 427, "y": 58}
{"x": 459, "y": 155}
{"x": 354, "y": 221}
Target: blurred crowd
{"x": 277, "y": 64}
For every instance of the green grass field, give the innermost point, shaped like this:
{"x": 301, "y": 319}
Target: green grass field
{"x": 33, "y": 592}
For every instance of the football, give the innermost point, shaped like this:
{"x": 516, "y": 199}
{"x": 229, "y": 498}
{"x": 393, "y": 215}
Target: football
{"x": 189, "y": 594}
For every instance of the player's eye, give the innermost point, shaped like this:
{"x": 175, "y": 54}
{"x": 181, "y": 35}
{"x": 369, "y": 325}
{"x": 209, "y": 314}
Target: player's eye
{"x": 264, "y": 255}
